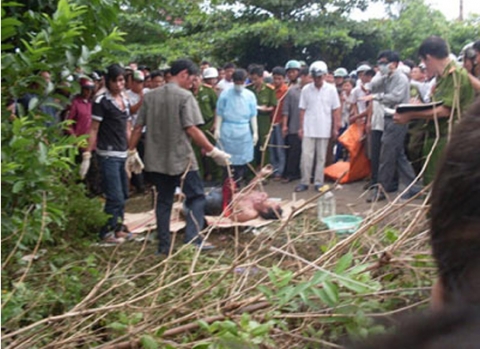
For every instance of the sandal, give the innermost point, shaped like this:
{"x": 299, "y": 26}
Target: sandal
{"x": 301, "y": 187}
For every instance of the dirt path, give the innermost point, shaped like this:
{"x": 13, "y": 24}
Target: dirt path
{"x": 350, "y": 198}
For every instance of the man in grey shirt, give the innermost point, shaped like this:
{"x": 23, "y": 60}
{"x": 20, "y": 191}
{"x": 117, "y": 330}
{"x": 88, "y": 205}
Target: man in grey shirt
{"x": 291, "y": 124}
{"x": 391, "y": 87}
{"x": 172, "y": 117}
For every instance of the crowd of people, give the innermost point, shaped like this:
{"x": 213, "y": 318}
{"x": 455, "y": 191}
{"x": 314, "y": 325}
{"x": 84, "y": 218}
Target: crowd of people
{"x": 186, "y": 126}
{"x": 141, "y": 123}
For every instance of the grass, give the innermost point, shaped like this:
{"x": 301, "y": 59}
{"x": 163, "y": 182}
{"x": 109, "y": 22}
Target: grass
{"x": 292, "y": 285}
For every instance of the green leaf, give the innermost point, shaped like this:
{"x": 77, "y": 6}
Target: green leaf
{"x": 354, "y": 286}
{"x": 201, "y": 346}
{"x": 136, "y": 318}
{"x": 343, "y": 263}
{"x": 117, "y": 326}
{"x": 203, "y": 324}
{"x": 265, "y": 290}
{"x": 332, "y": 291}
{"x": 18, "y": 186}
{"x": 358, "y": 269}
{"x": 322, "y": 294}
{"x": 148, "y": 342}
{"x": 230, "y": 326}
{"x": 261, "y": 330}
{"x": 319, "y": 277}
{"x": 43, "y": 153}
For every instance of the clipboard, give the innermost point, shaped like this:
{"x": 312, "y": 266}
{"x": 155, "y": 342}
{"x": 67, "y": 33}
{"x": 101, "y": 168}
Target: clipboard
{"x": 407, "y": 107}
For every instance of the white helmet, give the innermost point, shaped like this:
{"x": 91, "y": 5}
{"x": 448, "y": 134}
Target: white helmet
{"x": 318, "y": 68}
{"x": 340, "y": 73}
{"x": 210, "y": 73}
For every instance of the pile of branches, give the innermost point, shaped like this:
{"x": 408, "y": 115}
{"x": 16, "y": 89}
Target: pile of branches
{"x": 263, "y": 290}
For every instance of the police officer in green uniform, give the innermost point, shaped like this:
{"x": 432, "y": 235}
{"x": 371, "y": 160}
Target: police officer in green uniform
{"x": 207, "y": 101}
{"x": 452, "y": 87}
{"x": 266, "y": 103}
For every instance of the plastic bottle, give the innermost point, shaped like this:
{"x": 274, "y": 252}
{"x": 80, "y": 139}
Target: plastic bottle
{"x": 326, "y": 205}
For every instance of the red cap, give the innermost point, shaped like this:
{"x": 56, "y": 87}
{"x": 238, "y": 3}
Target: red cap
{"x": 86, "y": 83}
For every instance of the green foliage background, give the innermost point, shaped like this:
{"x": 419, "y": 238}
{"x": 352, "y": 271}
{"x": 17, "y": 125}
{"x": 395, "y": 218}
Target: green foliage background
{"x": 272, "y": 32}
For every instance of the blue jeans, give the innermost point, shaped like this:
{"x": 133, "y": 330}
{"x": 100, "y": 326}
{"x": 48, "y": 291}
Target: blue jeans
{"x": 115, "y": 188}
{"x": 277, "y": 152}
{"x": 195, "y": 203}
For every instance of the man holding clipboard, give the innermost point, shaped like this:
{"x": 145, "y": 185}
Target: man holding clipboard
{"x": 452, "y": 95}
{"x": 390, "y": 88}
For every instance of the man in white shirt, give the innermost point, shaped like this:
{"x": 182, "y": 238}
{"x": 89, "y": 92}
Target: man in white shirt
{"x": 227, "y": 81}
{"x": 319, "y": 111}
{"x": 359, "y": 106}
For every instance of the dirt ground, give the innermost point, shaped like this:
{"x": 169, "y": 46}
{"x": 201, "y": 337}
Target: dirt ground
{"x": 350, "y": 198}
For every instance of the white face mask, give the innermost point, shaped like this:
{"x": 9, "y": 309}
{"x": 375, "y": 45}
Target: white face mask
{"x": 383, "y": 68}
{"x": 238, "y": 88}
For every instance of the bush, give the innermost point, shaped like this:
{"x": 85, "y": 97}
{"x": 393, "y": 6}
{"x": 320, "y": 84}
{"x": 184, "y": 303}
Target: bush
{"x": 40, "y": 194}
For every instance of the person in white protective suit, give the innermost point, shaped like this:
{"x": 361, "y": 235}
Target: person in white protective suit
{"x": 236, "y": 128}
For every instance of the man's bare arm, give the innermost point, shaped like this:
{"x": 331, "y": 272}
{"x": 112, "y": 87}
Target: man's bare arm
{"x": 475, "y": 82}
{"x": 135, "y": 137}
{"x": 302, "y": 118}
{"x": 337, "y": 121}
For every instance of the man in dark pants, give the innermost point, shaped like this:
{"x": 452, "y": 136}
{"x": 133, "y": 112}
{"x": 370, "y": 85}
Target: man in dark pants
{"x": 172, "y": 117}
{"x": 291, "y": 124}
{"x": 391, "y": 87}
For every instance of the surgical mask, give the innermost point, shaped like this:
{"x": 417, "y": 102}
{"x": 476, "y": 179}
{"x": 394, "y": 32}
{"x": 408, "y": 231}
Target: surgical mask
{"x": 238, "y": 88}
{"x": 383, "y": 68}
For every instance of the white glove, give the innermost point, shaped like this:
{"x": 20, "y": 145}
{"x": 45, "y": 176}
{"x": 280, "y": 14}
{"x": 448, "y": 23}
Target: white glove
{"x": 219, "y": 156}
{"x": 218, "y": 126}
{"x": 134, "y": 163}
{"x": 254, "y": 126}
{"x": 85, "y": 165}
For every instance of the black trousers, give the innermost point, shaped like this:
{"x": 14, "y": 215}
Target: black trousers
{"x": 294, "y": 154}
{"x": 195, "y": 203}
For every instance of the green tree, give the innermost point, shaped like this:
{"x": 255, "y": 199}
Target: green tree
{"x": 461, "y": 33}
{"x": 414, "y": 22}
{"x": 38, "y": 176}
{"x": 268, "y": 32}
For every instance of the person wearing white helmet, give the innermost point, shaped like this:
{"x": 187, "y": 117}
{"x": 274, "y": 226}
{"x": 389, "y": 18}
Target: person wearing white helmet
{"x": 319, "y": 115}
{"x": 210, "y": 76}
{"x": 339, "y": 76}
